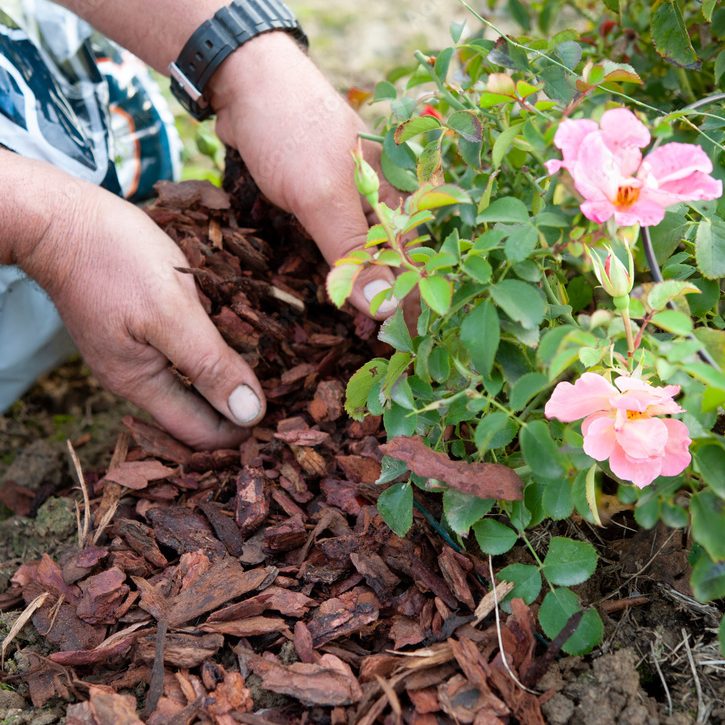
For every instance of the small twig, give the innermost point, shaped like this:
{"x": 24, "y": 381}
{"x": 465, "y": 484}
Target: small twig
{"x": 702, "y": 711}
{"x": 504, "y": 659}
{"x": 84, "y": 531}
{"x": 662, "y": 679}
{"x": 619, "y": 604}
{"x": 156, "y": 685}
{"x": 539, "y": 667}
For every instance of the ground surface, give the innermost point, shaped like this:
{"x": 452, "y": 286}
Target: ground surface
{"x": 658, "y": 657}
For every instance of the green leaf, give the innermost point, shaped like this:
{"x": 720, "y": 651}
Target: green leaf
{"x": 467, "y": 125}
{"x": 508, "y": 209}
{"x": 385, "y": 91}
{"x": 340, "y": 282}
{"x": 556, "y": 609}
{"x": 525, "y": 388}
{"x": 570, "y": 53}
{"x": 720, "y": 66}
{"x": 714, "y": 342}
{"x": 462, "y": 511}
{"x": 708, "y": 523}
{"x": 477, "y": 268}
{"x": 494, "y": 537}
{"x": 557, "y": 499}
{"x": 394, "y": 331}
{"x": 540, "y": 452}
{"x": 495, "y": 430}
{"x": 708, "y": 579}
{"x": 521, "y": 242}
{"x": 710, "y": 460}
{"x": 569, "y": 562}
{"x": 437, "y": 293}
{"x": 670, "y": 36}
{"x": 436, "y": 197}
{"x": 503, "y": 143}
{"x": 520, "y": 301}
{"x": 430, "y": 162}
{"x": 481, "y": 334}
{"x": 420, "y": 124}
{"x": 710, "y": 248}
{"x": 390, "y": 469}
{"x": 526, "y": 579}
{"x": 405, "y": 283}
{"x": 663, "y": 292}
{"x": 674, "y": 321}
{"x": 395, "y": 505}
{"x": 400, "y": 178}
{"x": 721, "y": 636}
{"x": 707, "y": 7}
{"x": 360, "y": 385}
{"x": 397, "y": 365}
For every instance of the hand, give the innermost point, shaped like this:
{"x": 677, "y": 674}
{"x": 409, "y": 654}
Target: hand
{"x": 111, "y": 272}
{"x": 296, "y": 135}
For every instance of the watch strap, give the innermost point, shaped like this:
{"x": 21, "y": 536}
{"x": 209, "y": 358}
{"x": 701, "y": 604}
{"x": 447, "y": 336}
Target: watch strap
{"x": 216, "y": 39}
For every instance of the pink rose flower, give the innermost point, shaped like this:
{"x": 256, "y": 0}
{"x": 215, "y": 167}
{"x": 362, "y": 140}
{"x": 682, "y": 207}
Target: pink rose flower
{"x": 623, "y": 424}
{"x": 606, "y": 165}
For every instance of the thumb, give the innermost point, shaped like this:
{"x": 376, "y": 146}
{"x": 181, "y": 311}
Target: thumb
{"x": 219, "y": 373}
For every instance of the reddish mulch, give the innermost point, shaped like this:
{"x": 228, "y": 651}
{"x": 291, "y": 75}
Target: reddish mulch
{"x": 260, "y": 585}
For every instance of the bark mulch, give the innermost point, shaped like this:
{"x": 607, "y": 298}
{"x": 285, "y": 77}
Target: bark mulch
{"x": 260, "y": 585}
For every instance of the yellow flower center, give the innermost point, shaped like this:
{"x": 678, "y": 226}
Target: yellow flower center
{"x": 635, "y": 415}
{"x": 626, "y": 196}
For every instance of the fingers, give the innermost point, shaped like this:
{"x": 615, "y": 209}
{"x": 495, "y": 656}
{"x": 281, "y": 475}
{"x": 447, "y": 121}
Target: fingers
{"x": 221, "y": 375}
{"x": 181, "y": 412}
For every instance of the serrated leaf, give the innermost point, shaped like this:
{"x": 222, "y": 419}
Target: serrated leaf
{"x": 437, "y": 292}
{"x": 710, "y": 460}
{"x": 556, "y": 609}
{"x": 494, "y": 537}
{"x": 390, "y": 469}
{"x": 710, "y": 248}
{"x": 467, "y": 125}
{"x": 478, "y": 268}
{"x": 340, "y": 282}
{"x": 521, "y": 242}
{"x": 495, "y": 430}
{"x": 360, "y": 385}
{"x": 520, "y": 301}
{"x": 417, "y": 125}
{"x": 525, "y": 388}
{"x": 481, "y": 334}
{"x": 663, "y": 292}
{"x": 430, "y": 163}
{"x": 708, "y": 523}
{"x": 503, "y": 143}
{"x": 569, "y": 562}
{"x": 405, "y": 283}
{"x": 708, "y": 579}
{"x": 674, "y": 321}
{"x": 385, "y": 91}
{"x": 394, "y": 331}
{"x": 462, "y": 511}
{"x": 395, "y": 505}
{"x": 670, "y": 36}
{"x": 526, "y": 579}
{"x": 557, "y": 499}
{"x": 507, "y": 209}
{"x": 436, "y": 197}
{"x": 489, "y": 100}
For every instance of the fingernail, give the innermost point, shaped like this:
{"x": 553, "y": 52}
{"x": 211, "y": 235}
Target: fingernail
{"x": 376, "y": 287}
{"x": 244, "y": 405}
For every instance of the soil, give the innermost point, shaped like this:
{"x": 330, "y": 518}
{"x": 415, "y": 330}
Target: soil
{"x": 331, "y": 568}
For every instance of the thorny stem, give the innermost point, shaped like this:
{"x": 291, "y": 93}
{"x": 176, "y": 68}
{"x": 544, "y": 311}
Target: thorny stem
{"x": 631, "y": 342}
{"x": 452, "y": 102}
{"x": 393, "y": 239}
{"x": 638, "y": 340}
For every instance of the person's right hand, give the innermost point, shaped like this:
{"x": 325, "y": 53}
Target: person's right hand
{"x": 111, "y": 272}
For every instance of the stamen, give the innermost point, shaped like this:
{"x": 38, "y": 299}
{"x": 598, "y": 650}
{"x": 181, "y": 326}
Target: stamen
{"x": 626, "y": 196}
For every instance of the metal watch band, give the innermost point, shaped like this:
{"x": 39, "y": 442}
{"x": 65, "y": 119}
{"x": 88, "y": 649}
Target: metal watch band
{"x": 216, "y": 39}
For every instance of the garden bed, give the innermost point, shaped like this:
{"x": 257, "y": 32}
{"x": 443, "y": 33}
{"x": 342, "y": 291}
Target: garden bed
{"x": 260, "y": 585}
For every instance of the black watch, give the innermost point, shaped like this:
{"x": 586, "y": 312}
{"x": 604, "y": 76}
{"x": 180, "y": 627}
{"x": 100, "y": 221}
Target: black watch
{"x": 216, "y": 39}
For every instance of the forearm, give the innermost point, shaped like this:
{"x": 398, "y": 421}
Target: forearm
{"x": 155, "y": 31}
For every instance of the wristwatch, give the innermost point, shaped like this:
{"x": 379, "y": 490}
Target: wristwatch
{"x": 216, "y": 39}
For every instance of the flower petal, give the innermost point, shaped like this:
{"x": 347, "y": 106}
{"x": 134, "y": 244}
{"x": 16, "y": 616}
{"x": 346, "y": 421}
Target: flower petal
{"x": 599, "y": 436}
{"x": 640, "y": 472}
{"x": 677, "y": 451}
{"x": 596, "y": 173}
{"x": 643, "y": 438}
{"x": 624, "y": 134}
{"x": 590, "y": 394}
{"x": 570, "y": 135}
{"x": 598, "y": 211}
{"x": 647, "y": 211}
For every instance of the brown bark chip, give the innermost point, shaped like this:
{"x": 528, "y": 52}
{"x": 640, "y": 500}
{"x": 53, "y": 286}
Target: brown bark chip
{"x": 484, "y": 480}
{"x": 252, "y": 506}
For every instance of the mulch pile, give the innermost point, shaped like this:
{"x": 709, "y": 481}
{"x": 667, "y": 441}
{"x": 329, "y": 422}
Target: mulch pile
{"x": 260, "y": 585}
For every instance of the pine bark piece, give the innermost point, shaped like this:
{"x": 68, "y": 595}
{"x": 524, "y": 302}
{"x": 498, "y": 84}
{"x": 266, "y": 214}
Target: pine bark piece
{"x": 102, "y": 596}
{"x": 239, "y": 334}
{"x": 136, "y": 475}
{"x": 377, "y": 574}
{"x": 181, "y": 649}
{"x": 224, "y": 527}
{"x": 140, "y": 538}
{"x": 252, "y": 506}
{"x": 155, "y": 442}
{"x": 225, "y": 580}
{"x": 291, "y": 480}
{"x": 342, "y": 616}
{"x": 250, "y": 627}
{"x": 284, "y": 601}
{"x": 359, "y": 468}
{"x": 289, "y": 535}
{"x": 104, "y": 707}
{"x": 184, "y": 531}
{"x": 329, "y": 682}
{"x": 406, "y": 631}
{"x": 455, "y": 577}
{"x": 327, "y": 405}
{"x": 485, "y": 480}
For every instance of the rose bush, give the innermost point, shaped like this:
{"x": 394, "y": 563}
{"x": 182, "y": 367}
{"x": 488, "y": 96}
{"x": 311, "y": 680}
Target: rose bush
{"x": 563, "y": 275}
